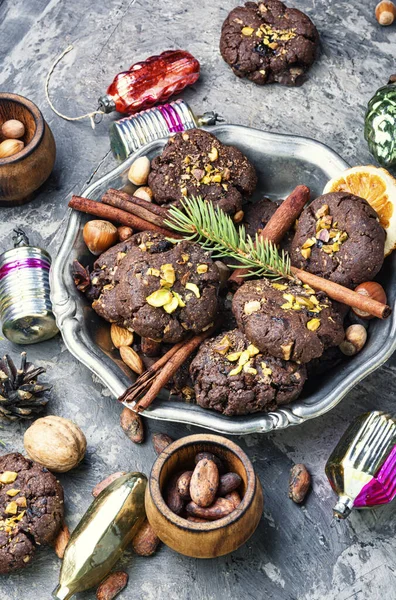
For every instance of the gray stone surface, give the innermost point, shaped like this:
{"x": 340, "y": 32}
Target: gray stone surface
{"x": 296, "y": 553}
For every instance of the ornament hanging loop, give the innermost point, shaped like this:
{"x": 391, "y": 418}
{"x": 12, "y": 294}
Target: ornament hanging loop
{"x": 92, "y": 115}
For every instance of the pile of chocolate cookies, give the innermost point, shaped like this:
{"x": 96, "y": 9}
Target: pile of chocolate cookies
{"x": 272, "y": 332}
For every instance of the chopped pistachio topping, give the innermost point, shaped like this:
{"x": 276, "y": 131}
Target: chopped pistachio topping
{"x": 154, "y": 272}
{"x": 287, "y": 350}
{"x": 193, "y": 288}
{"x": 171, "y": 306}
{"x": 13, "y": 492}
{"x": 213, "y": 154}
{"x": 266, "y": 370}
{"x": 8, "y": 477}
{"x": 252, "y": 350}
{"x": 279, "y": 286}
{"x": 202, "y": 268}
{"x": 313, "y": 324}
{"x": 180, "y": 300}
{"x": 168, "y": 274}
{"x": 248, "y": 369}
{"x": 159, "y": 298}
{"x": 236, "y": 370}
{"x": 21, "y": 502}
{"x": 233, "y": 356}
{"x": 247, "y": 31}
{"x": 328, "y": 237}
{"x": 11, "y": 508}
{"x": 306, "y": 252}
{"x": 223, "y": 345}
{"x": 251, "y": 307}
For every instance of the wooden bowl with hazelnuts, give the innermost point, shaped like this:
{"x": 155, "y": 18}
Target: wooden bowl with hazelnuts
{"x": 27, "y": 150}
{"x": 178, "y": 505}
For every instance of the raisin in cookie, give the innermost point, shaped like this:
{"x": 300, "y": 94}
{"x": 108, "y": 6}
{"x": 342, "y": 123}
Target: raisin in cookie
{"x": 196, "y": 163}
{"x": 339, "y": 237}
{"x": 268, "y": 42}
{"x": 160, "y": 290}
{"x": 31, "y": 510}
{"x": 233, "y": 377}
{"x": 287, "y": 320}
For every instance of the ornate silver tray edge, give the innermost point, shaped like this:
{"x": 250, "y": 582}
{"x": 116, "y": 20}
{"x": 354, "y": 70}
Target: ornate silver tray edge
{"x": 69, "y": 315}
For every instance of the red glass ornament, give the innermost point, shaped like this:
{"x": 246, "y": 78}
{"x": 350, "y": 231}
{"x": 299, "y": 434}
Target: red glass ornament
{"x": 151, "y": 81}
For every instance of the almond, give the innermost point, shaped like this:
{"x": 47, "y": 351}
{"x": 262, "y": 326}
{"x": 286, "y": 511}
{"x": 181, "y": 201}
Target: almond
{"x": 132, "y": 359}
{"x": 120, "y": 336}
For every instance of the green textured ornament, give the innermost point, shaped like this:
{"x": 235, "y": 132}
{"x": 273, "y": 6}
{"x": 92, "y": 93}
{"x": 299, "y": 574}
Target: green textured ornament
{"x": 380, "y": 124}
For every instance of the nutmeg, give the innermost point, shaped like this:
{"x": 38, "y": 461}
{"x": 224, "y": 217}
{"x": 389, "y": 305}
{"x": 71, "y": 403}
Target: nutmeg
{"x": 99, "y": 236}
{"x": 355, "y": 339}
{"x": 139, "y": 171}
{"x": 10, "y": 147}
{"x": 385, "y": 12}
{"x": 56, "y": 443}
{"x": 13, "y": 129}
{"x": 371, "y": 289}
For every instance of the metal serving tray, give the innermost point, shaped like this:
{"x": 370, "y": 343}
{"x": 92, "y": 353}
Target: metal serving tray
{"x": 282, "y": 162}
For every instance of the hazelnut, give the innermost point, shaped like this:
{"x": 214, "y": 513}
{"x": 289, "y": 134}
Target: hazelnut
{"x": 355, "y": 339}
{"x": 139, "y": 171}
{"x": 144, "y": 193}
{"x": 385, "y": 12}
{"x": 99, "y": 236}
{"x": 370, "y": 289}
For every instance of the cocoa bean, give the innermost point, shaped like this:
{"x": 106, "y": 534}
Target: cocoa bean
{"x": 228, "y": 483}
{"x": 99, "y": 487}
{"x": 132, "y": 425}
{"x": 183, "y": 485}
{"x": 219, "y": 509}
{"x": 160, "y": 441}
{"x": 219, "y": 464}
{"x": 61, "y": 540}
{"x": 145, "y": 541}
{"x": 235, "y": 498}
{"x": 112, "y": 585}
{"x": 204, "y": 483}
{"x": 150, "y": 347}
{"x": 196, "y": 519}
{"x": 172, "y": 497}
{"x": 299, "y": 483}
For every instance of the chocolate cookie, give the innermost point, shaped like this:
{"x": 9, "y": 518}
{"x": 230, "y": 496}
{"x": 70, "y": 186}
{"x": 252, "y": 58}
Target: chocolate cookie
{"x": 160, "y": 290}
{"x": 257, "y": 215}
{"x": 286, "y": 320}
{"x": 268, "y": 42}
{"x": 233, "y": 377}
{"x": 339, "y": 237}
{"x": 31, "y": 507}
{"x": 196, "y": 163}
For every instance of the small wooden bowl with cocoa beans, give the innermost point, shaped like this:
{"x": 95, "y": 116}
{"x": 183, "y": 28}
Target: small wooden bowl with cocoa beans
{"x": 203, "y": 498}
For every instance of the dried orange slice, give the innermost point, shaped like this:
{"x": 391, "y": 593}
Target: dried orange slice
{"x": 378, "y": 187}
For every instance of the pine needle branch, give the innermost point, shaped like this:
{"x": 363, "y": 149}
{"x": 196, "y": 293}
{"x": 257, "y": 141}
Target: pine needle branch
{"x": 214, "y": 230}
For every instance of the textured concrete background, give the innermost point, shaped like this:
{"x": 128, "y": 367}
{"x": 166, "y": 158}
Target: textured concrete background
{"x": 295, "y": 554}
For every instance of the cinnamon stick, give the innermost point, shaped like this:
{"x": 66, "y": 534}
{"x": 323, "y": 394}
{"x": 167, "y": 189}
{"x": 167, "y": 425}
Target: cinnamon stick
{"x": 280, "y": 222}
{"x": 125, "y": 202}
{"x": 153, "y": 385}
{"x": 161, "y": 211}
{"x": 110, "y": 213}
{"x": 342, "y": 294}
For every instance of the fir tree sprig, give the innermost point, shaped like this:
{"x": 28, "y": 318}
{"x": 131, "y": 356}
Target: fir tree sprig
{"x": 214, "y": 230}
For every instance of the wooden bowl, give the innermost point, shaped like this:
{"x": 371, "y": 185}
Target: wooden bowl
{"x": 23, "y": 173}
{"x": 215, "y": 538}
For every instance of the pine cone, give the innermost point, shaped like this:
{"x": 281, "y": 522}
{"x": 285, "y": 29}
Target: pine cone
{"x": 21, "y": 396}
